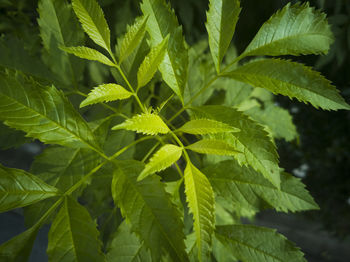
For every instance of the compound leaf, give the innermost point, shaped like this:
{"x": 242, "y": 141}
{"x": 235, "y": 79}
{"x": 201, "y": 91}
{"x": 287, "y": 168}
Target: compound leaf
{"x": 162, "y": 159}
{"x": 221, "y": 23}
{"x": 93, "y": 21}
{"x": 106, "y": 93}
{"x": 19, "y": 188}
{"x": 42, "y": 112}
{"x": 293, "y": 80}
{"x": 295, "y": 30}
{"x": 214, "y": 147}
{"x": 206, "y": 126}
{"x": 151, "y": 63}
{"x": 200, "y": 198}
{"x": 257, "y": 244}
{"x": 88, "y": 53}
{"x": 132, "y": 38}
{"x": 147, "y": 123}
{"x": 73, "y": 235}
{"x": 149, "y": 210}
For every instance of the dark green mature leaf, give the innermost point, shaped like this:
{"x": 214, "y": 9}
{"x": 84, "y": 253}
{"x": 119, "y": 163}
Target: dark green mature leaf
{"x": 149, "y": 210}
{"x": 291, "y": 79}
{"x": 73, "y": 235}
{"x": 206, "y": 126}
{"x": 295, "y": 30}
{"x": 42, "y": 112}
{"x": 88, "y": 53}
{"x": 247, "y": 189}
{"x": 127, "y": 247}
{"x": 19, "y": 188}
{"x": 221, "y": 23}
{"x": 257, "y": 244}
{"x": 11, "y": 138}
{"x": 59, "y": 27}
{"x": 200, "y": 198}
{"x": 93, "y": 21}
{"x": 161, "y": 22}
{"x": 214, "y": 147}
{"x": 258, "y": 150}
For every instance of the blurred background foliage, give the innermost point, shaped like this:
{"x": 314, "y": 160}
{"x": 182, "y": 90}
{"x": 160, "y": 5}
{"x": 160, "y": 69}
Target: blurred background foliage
{"x": 321, "y": 156}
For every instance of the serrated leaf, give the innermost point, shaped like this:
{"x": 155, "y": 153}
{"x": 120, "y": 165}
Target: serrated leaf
{"x": 151, "y": 63}
{"x": 206, "y": 126}
{"x": 42, "y": 112}
{"x": 214, "y": 147}
{"x": 221, "y": 23}
{"x": 295, "y": 30}
{"x": 149, "y": 210}
{"x": 73, "y": 235}
{"x": 88, "y": 53}
{"x": 257, "y": 244}
{"x": 106, "y": 93}
{"x": 161, "y": 22}
{"x": 19, "y": 188}
{"x": 132, "y": 38}
{"x": 146, "y": 123}
{"x": 11, "y": 138}
{"x": 127, "y": 247}
{"x": 162, "y": 159}
{"x": 293, "y": 80}
{"x": 245, "y": 188}
{"x": 258, "y": 150}
{"x": 93, "y": 21}
{"x": 200, "y": 198}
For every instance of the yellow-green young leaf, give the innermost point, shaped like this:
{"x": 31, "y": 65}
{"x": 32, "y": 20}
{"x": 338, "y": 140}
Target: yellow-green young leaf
{"x": 295, "y": 30}
{"x": 162, "y": 159}
{"x": 88, "y": 53}
{"x": 19, "y": 188}
{"x": 149, "y": 210}
{"x": 93, "y": 21}
{"x": 147, "y": 123}
{"x": 257, "y": 244}
{"x": 42, "y": 112}
{"x": 206, "y": 126}
{"x": 73, "y": 235}
{"x": 151, "y": 62}
{"x": 247, "y": 190}
{"x": 213, "y": 147}
{"x": 200, "y": 198}
{"x": 293, "y": 80}
{"x": 132, "y": 38}
{"x": 222, "y": 17}
{"x": 106, "y": 93}
{"x": 161, "y": 22}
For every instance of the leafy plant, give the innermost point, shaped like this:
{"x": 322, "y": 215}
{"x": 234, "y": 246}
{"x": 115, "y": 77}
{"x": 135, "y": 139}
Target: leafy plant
{"x": 183, "y": 125}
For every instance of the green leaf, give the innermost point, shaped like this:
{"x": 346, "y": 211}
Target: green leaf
{"x": 93, "y": 21}
{"x": 149, "y": 210}
{"x": 146, "y": 123}
{"x": 151, "y": 63}
{"x": 293, "y": 80}
{"x": 221, "y": 23}
{"x": 132, "y": 38}
{"x": 11, "y": 138}
{"x": 258, "y": 149}
{"x": 214, "y": 147}
{"x": 19, "y": 188}
{"x": 200, "y": 198}
{"x": 295, "y": 30}
{"x": 73, "y": 235}
{"x": 245, "y": 188}
{"x": 206, "y": 126}
{"x": 252, "y": 243}
{"x": 88, "y": 53}
{"x": 106, "y": 93}
{"x": 161, "y": 22}
{"x": 59, "y": 27}
{"x": 127, "y": 247}
{"x": 162, "y": 159}
{"x": 42, "y": 112}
